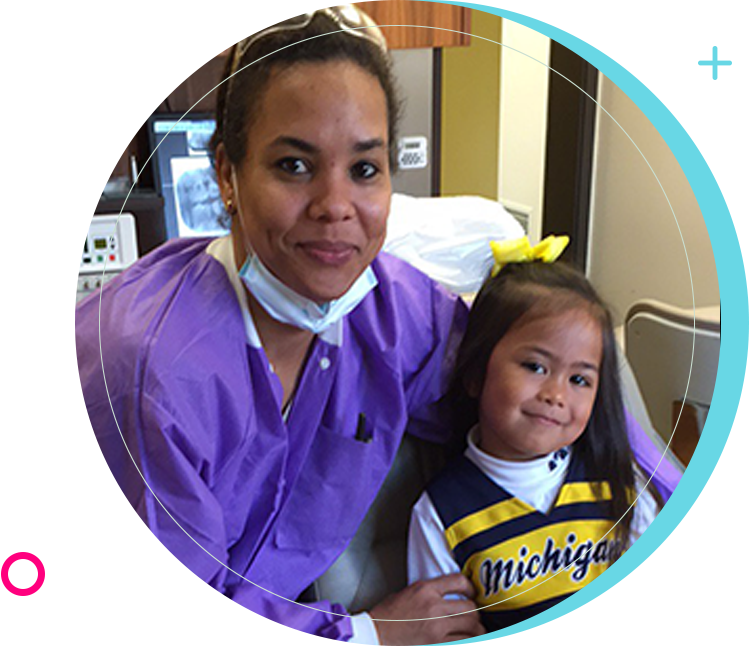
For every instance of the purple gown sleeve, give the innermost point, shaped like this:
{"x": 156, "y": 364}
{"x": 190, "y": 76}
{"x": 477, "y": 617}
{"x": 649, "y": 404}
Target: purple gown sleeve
{"x": 430, "y": 418}
{"x": 321, "y": 618}
{"x": 665, "y": 475}
{"x": 169, "y": 408}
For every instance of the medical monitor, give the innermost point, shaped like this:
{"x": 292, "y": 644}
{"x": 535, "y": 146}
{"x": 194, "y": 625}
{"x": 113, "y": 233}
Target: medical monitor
{"x": 184, "y": 176}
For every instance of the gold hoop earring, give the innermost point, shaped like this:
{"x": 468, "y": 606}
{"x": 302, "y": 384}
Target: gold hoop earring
{"x": 230, "y": 206}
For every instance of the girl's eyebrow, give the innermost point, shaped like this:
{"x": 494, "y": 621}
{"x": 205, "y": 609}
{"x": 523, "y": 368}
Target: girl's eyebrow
{"x": 586, "y": 365}
{"x": 539, "y": 350}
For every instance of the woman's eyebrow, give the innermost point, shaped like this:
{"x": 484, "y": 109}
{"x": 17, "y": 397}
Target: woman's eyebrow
{"x": 369, "y": 144}
{"x": 307, "y": 147}
{"x": 294, "y": 142}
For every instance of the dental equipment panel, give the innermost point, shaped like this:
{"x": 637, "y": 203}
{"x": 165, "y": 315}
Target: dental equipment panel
{"x": 110, "y": 248}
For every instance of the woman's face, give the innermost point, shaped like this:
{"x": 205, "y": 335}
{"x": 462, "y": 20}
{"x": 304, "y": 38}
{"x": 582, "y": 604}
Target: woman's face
{"x": 313, "y": 192}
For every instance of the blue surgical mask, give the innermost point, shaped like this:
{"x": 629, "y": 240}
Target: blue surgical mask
{"x": 286, "y": 306}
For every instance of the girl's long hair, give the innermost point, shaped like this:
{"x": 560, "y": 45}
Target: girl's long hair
{"x": 540, "y": 289}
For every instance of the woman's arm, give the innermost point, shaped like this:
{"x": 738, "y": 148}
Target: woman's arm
{"x": 651, "y": 461}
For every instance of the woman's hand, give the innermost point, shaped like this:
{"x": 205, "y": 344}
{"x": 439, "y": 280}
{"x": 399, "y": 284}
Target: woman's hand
{"x": 441, "y": 619}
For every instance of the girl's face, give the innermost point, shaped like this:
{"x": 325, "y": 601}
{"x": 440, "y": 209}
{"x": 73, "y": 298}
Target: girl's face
{"x": 540, "y": 386}
{"x": 314, "y": 188}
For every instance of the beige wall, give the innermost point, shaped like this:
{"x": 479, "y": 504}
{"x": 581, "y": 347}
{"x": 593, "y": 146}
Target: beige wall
{"x": 494, "y": 109}
{"x": 470, "y": 111}
{"x": 636, "y": 248}
{"x": 523, "y": 119}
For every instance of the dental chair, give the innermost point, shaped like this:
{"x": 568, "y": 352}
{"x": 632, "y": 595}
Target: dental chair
{"x": 674, "y": 354}
{"x": 425, "y": 232}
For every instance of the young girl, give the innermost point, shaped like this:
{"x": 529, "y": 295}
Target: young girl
{"x": 529, "y": 513}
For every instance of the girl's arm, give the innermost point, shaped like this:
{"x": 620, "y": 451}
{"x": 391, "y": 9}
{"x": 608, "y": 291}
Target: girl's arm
{"x": 428, "y": 553}
{"x": 645, "y": 510}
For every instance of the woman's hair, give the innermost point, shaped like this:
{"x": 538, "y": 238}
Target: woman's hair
{"x": 280, "y": 47}
{"x": 535, "y": 290}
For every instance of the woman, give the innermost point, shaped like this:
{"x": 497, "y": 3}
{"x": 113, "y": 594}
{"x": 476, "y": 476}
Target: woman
{"x": 262, "y": 382}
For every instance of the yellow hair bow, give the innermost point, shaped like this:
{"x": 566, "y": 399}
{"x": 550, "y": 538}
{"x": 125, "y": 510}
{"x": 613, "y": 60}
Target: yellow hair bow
{"x": 520, "y": 250}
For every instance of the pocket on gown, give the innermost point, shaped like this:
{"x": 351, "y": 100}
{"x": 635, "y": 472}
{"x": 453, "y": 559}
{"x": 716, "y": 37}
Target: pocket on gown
{"x": 332, "y": 493}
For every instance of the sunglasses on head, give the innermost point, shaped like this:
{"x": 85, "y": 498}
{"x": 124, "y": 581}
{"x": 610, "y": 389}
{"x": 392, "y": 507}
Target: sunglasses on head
{"x": 347, "y": 18}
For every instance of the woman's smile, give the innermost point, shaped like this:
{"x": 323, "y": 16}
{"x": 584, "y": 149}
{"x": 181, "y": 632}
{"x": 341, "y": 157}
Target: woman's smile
{"x": 328, "y": 252}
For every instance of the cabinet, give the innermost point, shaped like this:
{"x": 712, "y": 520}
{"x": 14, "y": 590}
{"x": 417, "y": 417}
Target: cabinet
{"x": 430, "y": 24}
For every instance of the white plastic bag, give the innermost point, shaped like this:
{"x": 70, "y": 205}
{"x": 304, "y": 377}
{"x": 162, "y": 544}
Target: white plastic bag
{"x": 448, "y": 237}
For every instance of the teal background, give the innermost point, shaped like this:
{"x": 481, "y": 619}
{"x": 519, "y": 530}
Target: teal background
{"x": 683, "y": 64}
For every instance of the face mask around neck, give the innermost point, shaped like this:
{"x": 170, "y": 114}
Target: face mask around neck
{"x": 284, "y": 304}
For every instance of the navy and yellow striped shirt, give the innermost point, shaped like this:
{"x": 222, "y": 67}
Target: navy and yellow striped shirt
{"x": 522, "y": 561}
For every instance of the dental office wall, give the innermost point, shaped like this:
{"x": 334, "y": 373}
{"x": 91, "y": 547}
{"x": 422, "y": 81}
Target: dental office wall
{"x": 635, "y": 245}
{"x": 470, "y": 111}
{"x": 494, "y": 125}
{"x": 494, "y": 116}
{"x": 524, "y": 78}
